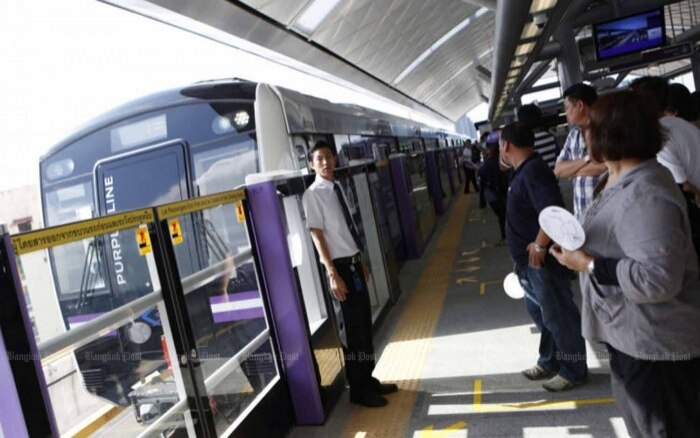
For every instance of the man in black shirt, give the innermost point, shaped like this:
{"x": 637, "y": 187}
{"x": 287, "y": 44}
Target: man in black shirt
{"x": 547, "y": 284}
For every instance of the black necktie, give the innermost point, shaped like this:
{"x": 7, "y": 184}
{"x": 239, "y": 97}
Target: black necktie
{"x": 348, "y": 218}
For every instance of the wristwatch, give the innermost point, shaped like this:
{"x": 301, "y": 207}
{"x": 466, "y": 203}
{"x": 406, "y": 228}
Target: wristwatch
{"x": 591, "y": 267}
{"x": 538, "y": 247}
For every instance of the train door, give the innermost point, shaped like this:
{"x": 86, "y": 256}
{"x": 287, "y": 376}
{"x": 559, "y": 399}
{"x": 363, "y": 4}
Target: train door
{"x": 137, "y": 180}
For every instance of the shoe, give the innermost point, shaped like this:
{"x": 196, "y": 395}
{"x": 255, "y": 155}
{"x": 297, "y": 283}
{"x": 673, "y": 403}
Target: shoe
{"x": 369, "y": 400}
{"x": 538, "y": 373}
{"x": 386, "y": 388}
{"x": 559, "y": 384}
{"x": 382, "y": 388}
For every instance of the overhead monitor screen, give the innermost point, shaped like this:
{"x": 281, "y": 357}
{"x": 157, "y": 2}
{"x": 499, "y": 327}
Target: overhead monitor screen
{"x": 633, "y": 33}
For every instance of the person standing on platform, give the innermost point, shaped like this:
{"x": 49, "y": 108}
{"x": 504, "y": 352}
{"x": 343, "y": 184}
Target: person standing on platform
{"x": 339, "y": 246}
{"x": 574, "y": 161}
{"x": 680, "y": 153}
{"x": 469, "y": 166}
{"x": 494, "y": 183}
{"x": 639, "y": 274}
{"x": 545, "y": 142}
{"x": 548, "y": 294}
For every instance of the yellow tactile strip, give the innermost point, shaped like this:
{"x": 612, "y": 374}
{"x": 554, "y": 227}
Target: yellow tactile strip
{"x": 404, "y": 357}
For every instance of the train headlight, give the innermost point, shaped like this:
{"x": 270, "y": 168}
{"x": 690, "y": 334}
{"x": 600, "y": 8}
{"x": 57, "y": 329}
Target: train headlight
{"x": 60, "y": 169}
{"x": 221, "y": 125}
{"x": 241, "y": 119}
{"x": 139, "y": 332}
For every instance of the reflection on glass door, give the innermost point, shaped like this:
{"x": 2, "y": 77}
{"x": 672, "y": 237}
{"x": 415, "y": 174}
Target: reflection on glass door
{"x": 304, "y": 261}
{"x": 226, "y": 311}
{"x": 101, "y": 359}
{"x": 420, "y": 195}
{"x": 359, "y": 200}
{"x": 378, "y": 283}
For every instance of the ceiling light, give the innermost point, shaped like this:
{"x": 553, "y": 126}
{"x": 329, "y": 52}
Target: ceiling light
{"x": 517, "y": 61}
{"x": 524, "y": 49}
{"x": 484, "y": 53}
{"x": 314, "y": 15}
{"x": 542, "y": 5}
{"x": 530, "y": 30}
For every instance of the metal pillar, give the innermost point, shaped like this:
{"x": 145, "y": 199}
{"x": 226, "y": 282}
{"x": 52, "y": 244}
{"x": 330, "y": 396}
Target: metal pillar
{"x": 568, "y": 60}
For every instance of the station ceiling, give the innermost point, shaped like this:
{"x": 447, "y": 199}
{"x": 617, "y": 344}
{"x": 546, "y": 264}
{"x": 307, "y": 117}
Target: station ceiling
{"x": 428, "y": 50}
{"x": 443, "y": 57}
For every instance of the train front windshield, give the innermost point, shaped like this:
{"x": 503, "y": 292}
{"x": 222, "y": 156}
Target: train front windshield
{"x": 152, "y": 158}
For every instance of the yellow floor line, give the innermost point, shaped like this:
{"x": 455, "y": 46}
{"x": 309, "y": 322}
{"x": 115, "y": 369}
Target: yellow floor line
{"x": 538, "y": 405}
{"x": 477, "y": 395}
{"x": 404, "y": 357}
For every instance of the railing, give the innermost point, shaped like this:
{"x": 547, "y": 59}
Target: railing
{"x": 65, "y": 343}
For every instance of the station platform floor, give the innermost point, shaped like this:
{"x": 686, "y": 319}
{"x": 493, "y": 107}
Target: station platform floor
{"x": 455, "y": 344}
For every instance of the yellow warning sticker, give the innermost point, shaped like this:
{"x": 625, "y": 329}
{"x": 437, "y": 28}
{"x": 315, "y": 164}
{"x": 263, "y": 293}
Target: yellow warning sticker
{"x": 240, "y": 213}
{"x": 180, "y": 208}
{"x": 175, "y": 231}
{"x": 143, "y": 240}
{"x": 63, "y": 234}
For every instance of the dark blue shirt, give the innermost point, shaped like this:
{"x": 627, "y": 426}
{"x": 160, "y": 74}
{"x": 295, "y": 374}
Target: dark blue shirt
{"x": 533, "y": 188}
{"x": 494, "y": 182}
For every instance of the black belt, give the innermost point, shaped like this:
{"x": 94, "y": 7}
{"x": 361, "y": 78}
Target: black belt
{"x": 348, "y": 260}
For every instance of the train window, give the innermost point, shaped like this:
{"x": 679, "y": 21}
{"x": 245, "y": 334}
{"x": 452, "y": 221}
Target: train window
{"x": 225, "y": 167}
{"x": 301, "y": 152}
{"x": 342, "y": 142}
{"x": 430, "y": 143}
{"x": 70, "y": 204}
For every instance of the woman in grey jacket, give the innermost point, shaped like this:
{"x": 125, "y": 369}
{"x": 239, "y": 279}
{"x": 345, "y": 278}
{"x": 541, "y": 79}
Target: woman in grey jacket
{"x": 640, "y": 287}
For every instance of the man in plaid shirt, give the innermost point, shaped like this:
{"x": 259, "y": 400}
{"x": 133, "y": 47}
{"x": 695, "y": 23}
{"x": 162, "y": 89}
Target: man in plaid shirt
{"x": 574, "y": 161}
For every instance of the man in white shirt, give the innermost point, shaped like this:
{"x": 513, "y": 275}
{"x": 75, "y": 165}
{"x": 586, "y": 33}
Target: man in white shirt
{"x": 338, "y": 244}
{"x": 470, "y": 167}
{"x": 680, "y": 153}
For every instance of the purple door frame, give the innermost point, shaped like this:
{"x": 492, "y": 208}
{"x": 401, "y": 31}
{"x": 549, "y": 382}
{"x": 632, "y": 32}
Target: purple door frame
{"x": 409, "y": 226}
{"x": 287, "y": 310}
{"x": 434, "y": 181}
{"x": 449, "y": 164}
{"x": 40, "y": 413}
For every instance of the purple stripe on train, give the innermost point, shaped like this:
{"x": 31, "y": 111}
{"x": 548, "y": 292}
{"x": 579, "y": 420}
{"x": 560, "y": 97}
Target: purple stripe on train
{"x": 229, "y": 315}
{"x": 74, "y": 321}
{"x": 238, "y": 315}
{"x": 239, "y": 296}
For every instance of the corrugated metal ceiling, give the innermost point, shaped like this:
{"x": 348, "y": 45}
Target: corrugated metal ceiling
{"x": 384, "y": 37}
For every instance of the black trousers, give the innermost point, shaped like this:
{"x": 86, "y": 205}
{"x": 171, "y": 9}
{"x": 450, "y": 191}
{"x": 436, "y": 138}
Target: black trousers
{"x": 470, "y": 174}
{"x": 658, "y": 398}
{"x": 499, "y": 207}
{"x": 357, "y": 313}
